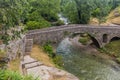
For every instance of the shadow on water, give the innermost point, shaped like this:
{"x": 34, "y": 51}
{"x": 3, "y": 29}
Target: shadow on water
{"x": 86, "y": 66}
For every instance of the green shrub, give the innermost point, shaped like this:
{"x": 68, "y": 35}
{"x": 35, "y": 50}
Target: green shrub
{"x": 84, "y": 40}
{"x": 52, "y": 17}
{"x": 31, "y": 25}
{"x": 10, "y": 75}
{"x": 58, "y": 23}
{"x": 48, "y": 48}
{"x": 112, "y": 48}
{"x": 2, "y": 52}
{"x": 58, "y": 60}
{"x": 35, "y": 16}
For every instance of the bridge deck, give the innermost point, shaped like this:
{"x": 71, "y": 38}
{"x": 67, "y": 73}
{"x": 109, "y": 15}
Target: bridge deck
{"x": 75, "y": 26}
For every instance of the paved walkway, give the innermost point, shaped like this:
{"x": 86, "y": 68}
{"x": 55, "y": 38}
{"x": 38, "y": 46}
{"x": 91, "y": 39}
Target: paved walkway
{"x": 38, "y": 69}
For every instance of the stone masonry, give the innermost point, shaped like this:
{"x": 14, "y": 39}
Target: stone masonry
{"x": 102, "y": 34}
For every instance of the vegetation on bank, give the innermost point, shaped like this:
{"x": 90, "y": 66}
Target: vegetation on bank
{"x": 112, "y": 49}
{"x": 57, "y": 59}
{"x": 84, "y": 39}
{"x": 11, "y": 75}
{"x": 3, "y": 62}
{"x": 14, "y": 65}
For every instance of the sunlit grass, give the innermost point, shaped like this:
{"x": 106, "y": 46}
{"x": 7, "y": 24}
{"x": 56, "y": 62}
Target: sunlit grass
{"x": 112, "y": 49}
{"x": 14, "y": 65}
{"x": 39, "y": 54}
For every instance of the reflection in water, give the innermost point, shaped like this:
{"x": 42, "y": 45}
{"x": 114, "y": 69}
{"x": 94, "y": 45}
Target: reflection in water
{"x": 85, "y": 66}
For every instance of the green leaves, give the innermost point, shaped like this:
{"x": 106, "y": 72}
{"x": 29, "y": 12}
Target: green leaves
{"x": 31, "y": 25}
{"x": 10, "y": 75}
{"x": 11, "y": 13}
{"x": 80, "y": 11}
{"x": 48, "y": 48}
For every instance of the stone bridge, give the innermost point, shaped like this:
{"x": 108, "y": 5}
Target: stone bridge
{"x": 99, "y": 34}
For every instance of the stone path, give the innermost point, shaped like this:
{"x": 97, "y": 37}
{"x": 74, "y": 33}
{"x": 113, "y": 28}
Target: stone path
{"x": 38, "y": 69}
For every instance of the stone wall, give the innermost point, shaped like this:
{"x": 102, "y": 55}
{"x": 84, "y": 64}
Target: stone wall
{"x": 28, "y": 46}
{"x": 15, "y": 48}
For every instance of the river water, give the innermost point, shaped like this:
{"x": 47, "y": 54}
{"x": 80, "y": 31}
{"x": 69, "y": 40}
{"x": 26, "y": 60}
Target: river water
{"x": 85, "y": 66}
{"x": 65, "y": 20}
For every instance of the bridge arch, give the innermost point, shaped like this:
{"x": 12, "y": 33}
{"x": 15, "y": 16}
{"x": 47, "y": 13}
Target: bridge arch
{"x": 114, "y": 38}
{"x": 94, "y": 39}
{"x": 105, "y": 38}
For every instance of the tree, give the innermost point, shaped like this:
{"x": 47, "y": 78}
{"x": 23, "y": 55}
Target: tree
{"x": 42, "y": 13}
{"x": 11, "y": 14}
{"x": 84, "y": 9}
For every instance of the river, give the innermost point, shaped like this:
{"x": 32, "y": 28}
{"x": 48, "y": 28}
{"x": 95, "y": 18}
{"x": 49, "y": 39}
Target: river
{"x": 65, "y": 20}
{"x": 85, "y": 66}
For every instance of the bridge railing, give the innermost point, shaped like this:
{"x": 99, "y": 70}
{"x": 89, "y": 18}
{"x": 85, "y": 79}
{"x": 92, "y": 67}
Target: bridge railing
{"x": 51, "y": 28}
{"x": 70, "y": 26}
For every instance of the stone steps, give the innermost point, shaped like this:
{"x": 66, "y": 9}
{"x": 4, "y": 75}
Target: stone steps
{"x": 32, "y": 65}
{"x": 38, "y": 70}
{"x": 29, "y": 63}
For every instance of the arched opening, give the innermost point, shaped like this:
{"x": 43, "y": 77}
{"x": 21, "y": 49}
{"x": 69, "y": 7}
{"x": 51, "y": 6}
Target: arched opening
{"x": 94, "y": 42}
{"x": 114, "y": 39}
{"x": 105, "y": 38}
{"x": 74, "y": 35}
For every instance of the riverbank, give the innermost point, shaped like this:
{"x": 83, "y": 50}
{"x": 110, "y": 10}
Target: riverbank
{"x": 93, "y": 50}
{"x": 48, "y": 68}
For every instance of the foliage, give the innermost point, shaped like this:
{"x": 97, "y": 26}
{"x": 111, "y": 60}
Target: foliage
{"x": 31, "y": 12}
{"x": 48, "y": 9}
{"x": 112, "y": 49}
{"x": 80, "y": 11}
{"x": 10, "y": 75}
{"x": 2, "y": 52}
{"x": 57, "y": 59}
{"x": 48, "y": 48}
{"x": 37, "y": 25}
{"x": 11, "y": 14}
{"x": 3, "y": 63}
{"x": 44, "y": 10}
{"x": 58, "y": 23}
{"x": 38, "y": 14}
{"x": 84, "y": 39}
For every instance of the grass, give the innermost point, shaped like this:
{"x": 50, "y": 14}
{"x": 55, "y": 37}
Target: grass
{"x": 110, "y": 19}
{"x": 14, "y": 65}
{"x": 84, "y": 39}
{"x": 39, "y": 54}
{"x": 12, "y": 75}
{"x": 3, "y": 64}
{"x": 2, "y": 53}
{"x": 112, "y": 49}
